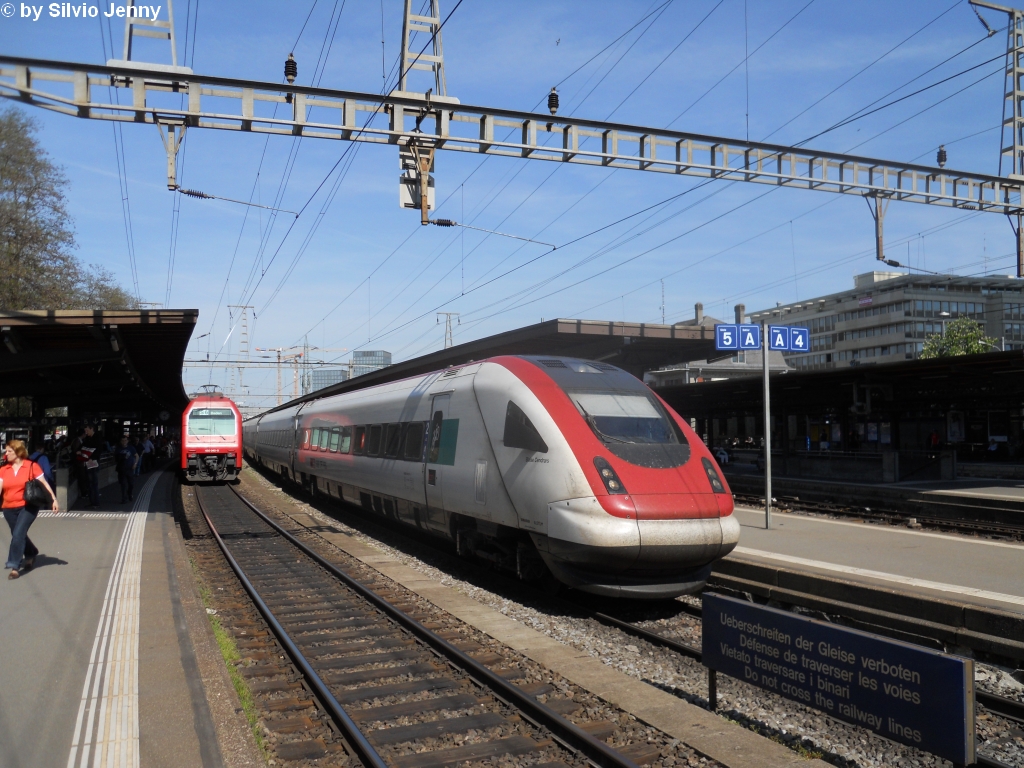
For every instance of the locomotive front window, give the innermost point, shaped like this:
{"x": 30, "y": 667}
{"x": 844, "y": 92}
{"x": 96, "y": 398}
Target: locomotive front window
{"x": 633, "y": 427}
{"x": 211, "y": 421}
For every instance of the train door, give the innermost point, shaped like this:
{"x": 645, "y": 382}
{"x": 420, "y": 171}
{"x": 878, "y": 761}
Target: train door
{"x": 443, "y": 433}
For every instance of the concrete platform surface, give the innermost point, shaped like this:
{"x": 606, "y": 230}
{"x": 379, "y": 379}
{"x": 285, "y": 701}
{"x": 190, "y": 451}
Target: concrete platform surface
{"x": 951, "y": 567}
{"x": 99, "y": 663}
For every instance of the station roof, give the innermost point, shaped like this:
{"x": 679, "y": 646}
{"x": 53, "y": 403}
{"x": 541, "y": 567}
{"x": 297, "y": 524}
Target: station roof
{"x": 97, "y": 361}
{"x": 635, "y": 347}
{"x": 987, "y": 381}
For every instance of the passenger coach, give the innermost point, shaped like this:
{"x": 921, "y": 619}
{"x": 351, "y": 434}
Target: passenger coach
{"x": 536, "y": 464}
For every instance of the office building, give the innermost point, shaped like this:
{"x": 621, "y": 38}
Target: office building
{"x": 325, "y": 377}
{"x": 367, "y": 361}
{"x": 888, "y": 316}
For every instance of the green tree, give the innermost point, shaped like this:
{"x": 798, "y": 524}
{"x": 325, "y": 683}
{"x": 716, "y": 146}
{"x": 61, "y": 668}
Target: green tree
{"x": 38, "y": 269}
{"x": 962, "y": 336}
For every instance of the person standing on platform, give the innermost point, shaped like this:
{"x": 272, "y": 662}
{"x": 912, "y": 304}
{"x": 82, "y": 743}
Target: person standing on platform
{"x": 89, "y": 467}
{"x": 14, "y": 474}
{"x": 39, "y": 457}
{"x": 126, "y": 458}
{"x": 148, "y": 454}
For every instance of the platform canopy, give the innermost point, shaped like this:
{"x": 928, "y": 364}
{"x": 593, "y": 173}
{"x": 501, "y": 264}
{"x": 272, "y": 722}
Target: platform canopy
{"x": 636, "y": 347}
{"x": 96, "y": 362}
{"x": 994, "y": 380}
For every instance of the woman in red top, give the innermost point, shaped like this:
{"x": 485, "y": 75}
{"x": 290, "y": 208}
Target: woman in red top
{"x": 14, "y": 474}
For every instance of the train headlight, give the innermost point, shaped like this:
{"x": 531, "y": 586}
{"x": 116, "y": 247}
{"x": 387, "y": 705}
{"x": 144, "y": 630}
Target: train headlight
{"x": 716, "y": 482}
{"x": 608, "y": 476}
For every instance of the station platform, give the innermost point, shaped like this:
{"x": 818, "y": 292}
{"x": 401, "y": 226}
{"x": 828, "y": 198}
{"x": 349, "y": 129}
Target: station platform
{"x": 998, "y": 502}
{"x": 108, "y": 654}
{"x": 961, "y": 569}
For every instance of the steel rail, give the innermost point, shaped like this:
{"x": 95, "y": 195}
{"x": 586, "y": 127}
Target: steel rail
{"x": 1000, "y": 705}
{"x": 569, "y": 734}
{"x": 359, "y": 742}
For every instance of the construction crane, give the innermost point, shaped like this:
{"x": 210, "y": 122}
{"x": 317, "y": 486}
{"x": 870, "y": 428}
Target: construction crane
{"x": 174, "y": 99}
{"x": 295, "y": 357}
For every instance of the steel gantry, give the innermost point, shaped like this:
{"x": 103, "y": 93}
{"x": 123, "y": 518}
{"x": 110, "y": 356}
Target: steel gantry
{"x": 443, "y": 123}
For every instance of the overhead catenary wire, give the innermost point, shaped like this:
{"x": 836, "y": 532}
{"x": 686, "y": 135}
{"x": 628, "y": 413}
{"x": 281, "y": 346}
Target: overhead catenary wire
{"x": 122, "y": 176}
{"x": 656, "y": 11}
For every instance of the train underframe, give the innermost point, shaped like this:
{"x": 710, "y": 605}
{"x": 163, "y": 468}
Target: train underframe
{"x": 535, "y": 557}
{"x": 211, "y": 467}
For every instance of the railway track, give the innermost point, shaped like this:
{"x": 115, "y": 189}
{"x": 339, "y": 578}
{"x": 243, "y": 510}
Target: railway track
{"x": 399, "y": 692}
{"x": 997, "y": 706}
{"x": 795, "y": 504}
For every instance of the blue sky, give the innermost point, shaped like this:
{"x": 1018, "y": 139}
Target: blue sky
{"x": 788, "y": 245}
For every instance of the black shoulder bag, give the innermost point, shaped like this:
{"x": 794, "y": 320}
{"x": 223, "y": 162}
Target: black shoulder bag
{"x": 36, "y": 495}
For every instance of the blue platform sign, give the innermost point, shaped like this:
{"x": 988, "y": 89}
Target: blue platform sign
{"x": 750, "y": 337}
{"x": 778, "y": 337}
{"x": 799, "y": 339}
{"x": 900, "y": 691}
{"x": 727, "y": 337}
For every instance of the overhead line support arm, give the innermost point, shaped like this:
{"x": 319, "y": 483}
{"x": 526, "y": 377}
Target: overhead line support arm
{"x": 441, "y": 122}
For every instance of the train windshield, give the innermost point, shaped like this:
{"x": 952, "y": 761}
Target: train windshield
{"x": 211, "y": 421}
{"x": 634, "y": 427}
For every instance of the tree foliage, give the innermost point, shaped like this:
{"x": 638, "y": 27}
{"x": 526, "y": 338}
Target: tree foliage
{"x": 962, "y": 336}
{"x": 38, "y": 269}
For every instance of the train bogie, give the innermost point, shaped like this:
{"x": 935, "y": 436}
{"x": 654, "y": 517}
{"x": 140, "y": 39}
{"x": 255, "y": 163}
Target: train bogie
{"x": 535, "y": 464}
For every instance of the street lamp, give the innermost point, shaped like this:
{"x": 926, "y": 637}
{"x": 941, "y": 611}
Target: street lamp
{"x": 945, "y": 316}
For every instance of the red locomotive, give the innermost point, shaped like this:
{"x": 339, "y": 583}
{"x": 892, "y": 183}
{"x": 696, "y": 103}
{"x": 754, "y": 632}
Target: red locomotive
{"x": 211, "y": 435}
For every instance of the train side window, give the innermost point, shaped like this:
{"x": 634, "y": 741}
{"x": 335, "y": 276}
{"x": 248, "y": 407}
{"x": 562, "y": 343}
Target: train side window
{"x": 346, "y": 440}
{"x": 373, "y": 443}
{"x": 413, "y": 450}
{"x": 335, "y": 439}
{"x": 520, "y": 432}
{"x": 360, "y": 442}
{"x": 394, "y": 440}
{"x": 325, "y": 436}
{"x": 315, "y": 440}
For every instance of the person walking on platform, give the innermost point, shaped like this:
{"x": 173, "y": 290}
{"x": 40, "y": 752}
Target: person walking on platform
{"x": 14, "y": 475}
{"x": 88, "y": 466}
{"x": 126, "y": 458}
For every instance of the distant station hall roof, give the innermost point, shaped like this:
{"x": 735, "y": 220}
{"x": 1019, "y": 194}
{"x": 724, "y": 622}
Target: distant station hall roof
{"x": 990, "y": 380}
{"x": 97, "y": 361}
{"x": 635, "y": 347}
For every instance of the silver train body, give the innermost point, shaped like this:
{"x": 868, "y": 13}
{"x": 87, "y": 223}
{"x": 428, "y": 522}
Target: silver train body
{"x": 502, "y": 458}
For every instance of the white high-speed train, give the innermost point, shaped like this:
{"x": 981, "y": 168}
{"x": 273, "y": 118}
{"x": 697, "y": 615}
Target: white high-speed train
{"x": 532, "y": 463}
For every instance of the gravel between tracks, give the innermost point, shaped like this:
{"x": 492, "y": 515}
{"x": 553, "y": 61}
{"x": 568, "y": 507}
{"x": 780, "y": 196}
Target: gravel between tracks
{"x": 805, "y": 730}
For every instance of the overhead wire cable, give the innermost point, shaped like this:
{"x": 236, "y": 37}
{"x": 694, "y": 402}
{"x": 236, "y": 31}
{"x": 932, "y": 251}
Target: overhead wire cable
{"x": 342, "y": 158}
{"x": 741, "y": 63}
{"x": 653, "y": 10}
{"x": 864, "y": 69}
{"x": 122, "y": 177}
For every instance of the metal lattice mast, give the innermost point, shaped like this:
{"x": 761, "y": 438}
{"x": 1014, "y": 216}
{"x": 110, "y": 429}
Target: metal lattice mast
{"x": 447, "y": 326}
{"x": 1011, "y": 141}
{"x": 243, "y": 339}
{"x": 138, "y": 23}
{"x": 412, "y": 58}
